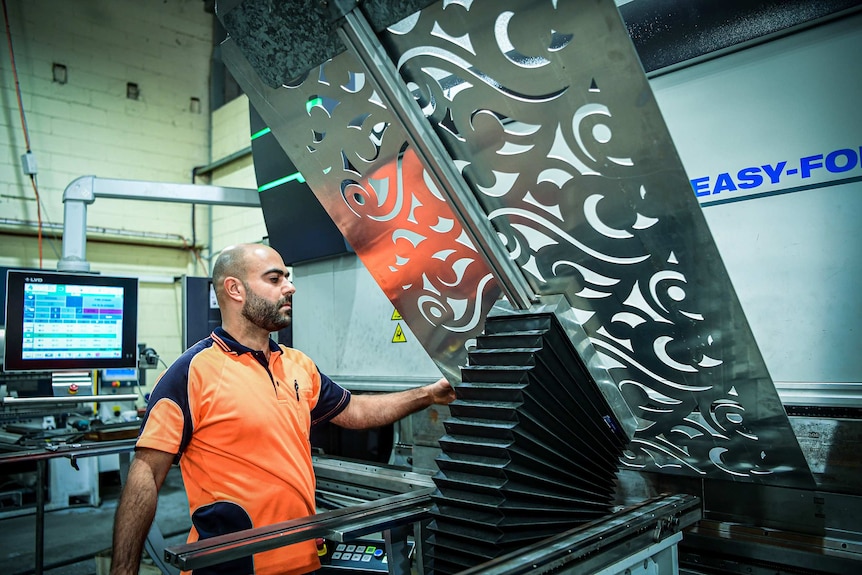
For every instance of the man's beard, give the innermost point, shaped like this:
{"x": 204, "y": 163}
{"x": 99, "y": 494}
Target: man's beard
{"x": 264, "y": 314}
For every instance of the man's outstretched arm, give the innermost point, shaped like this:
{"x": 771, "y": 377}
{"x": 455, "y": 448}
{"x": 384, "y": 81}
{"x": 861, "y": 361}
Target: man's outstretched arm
{"x": 137, "y": 508}
{"x": 367, "y": 411}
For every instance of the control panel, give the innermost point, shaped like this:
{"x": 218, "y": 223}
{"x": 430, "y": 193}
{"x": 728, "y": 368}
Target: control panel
{"x": 365, "y": 555}
{"x": 118, "y": 377}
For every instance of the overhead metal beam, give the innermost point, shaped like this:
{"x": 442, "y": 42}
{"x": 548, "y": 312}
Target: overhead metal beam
{"x": 84, "y": 190}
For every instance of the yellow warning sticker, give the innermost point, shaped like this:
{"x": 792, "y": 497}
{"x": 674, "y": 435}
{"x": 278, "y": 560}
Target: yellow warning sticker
{"x": 395, "y": 315}
{"x": 399, "y": 335}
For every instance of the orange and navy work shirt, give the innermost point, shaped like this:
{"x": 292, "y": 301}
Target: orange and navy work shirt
{"x": 239, "y": 426}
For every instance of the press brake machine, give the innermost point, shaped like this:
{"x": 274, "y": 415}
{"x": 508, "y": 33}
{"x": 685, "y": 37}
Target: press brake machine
{"x": 503, "y": 171}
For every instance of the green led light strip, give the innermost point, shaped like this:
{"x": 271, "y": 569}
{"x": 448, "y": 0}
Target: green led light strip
{"x": 312, "y": 103}
{"x": 263, "y": 132}
{"x": 292, "y": 177}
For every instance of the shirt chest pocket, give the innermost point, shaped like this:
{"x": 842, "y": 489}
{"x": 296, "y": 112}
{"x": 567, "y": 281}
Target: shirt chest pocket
{"x": 294, "y": 397}
{"x": 296, "y": 389}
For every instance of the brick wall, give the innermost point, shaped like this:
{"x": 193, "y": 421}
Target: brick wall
{"x": 88, "y": 126}
{"x": 231, "y": 134}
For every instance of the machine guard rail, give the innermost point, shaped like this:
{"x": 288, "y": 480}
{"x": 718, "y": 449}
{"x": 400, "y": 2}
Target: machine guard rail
{"x": 339, "y": 525}
{"x": 602, "y": 542}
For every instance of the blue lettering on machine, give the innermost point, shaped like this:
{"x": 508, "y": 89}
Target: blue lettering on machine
{"x": 786, "y": 176}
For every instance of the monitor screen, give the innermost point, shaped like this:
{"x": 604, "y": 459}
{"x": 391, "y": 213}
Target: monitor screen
{"x": 57, "y": 321}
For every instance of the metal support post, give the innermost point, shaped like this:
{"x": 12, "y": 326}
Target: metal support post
{"x": 420, "y": 535}
{"x": 397, "y": 550}
{"x": 76, "y": 197}
{"x": 40, "y": 516}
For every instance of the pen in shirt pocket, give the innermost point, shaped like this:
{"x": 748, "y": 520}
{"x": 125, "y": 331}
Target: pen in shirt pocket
{"x": 296, "y": 388}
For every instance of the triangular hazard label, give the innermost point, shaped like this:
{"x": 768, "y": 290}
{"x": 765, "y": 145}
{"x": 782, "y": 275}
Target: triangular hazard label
{"x": 395, "y": 315}
{"x": 399, "y": 335}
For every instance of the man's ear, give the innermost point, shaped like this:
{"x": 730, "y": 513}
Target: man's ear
{"x": 234, "y": 289}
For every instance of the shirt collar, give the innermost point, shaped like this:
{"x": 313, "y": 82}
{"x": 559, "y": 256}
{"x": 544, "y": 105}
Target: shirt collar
{"x": 226, "y": 341}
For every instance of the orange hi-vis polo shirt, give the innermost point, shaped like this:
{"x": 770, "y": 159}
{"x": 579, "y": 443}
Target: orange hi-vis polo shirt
{"x": 240, "y": 427}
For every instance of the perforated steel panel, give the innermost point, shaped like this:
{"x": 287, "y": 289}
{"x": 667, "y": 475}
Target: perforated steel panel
{"x": 544, "y": 109}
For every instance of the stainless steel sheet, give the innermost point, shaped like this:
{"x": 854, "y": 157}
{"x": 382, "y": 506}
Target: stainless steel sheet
{"x": 547, "y": 115}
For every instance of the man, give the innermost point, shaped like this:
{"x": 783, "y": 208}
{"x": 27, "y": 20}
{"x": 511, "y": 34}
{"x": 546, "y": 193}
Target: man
{"x": 236, "y": 410}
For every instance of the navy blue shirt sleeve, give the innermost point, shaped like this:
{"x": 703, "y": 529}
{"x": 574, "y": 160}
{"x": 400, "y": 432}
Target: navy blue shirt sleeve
{"x": 332, "y": 400}
{"x": 173, "y": 386}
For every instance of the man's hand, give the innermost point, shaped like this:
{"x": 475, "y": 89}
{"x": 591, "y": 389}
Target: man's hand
{"x": 441, "y": 392}
{"x": 373, "y": 410}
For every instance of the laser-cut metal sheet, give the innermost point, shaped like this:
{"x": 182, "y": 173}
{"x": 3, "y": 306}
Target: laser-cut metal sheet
{"x": 354, "y": 155}
{"x": 546, "y": 111}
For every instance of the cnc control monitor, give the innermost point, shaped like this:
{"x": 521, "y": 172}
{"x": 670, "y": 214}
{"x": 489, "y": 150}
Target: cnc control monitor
{"x": 57, "y": 321}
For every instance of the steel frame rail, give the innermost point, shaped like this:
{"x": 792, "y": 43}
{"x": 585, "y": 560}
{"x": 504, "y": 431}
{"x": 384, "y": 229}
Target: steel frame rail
{"x": 339, "y": 525}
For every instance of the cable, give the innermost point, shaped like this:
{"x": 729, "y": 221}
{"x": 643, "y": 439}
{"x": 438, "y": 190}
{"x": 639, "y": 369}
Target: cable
{"x": 15, "y": 75}
{"x": 141, "y": 392}
{"x": 52, "y": 238}
{"x": 24, "y": 127}
{"x": 38, "y": 214}
{"x": 194, "y": 252}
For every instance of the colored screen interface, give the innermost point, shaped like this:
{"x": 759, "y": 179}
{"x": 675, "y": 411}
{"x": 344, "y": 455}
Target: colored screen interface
{"x": 72, "y": 321}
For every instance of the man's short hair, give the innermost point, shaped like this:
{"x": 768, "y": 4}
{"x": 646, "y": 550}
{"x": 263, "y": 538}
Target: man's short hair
{"x": 231, "y": 262}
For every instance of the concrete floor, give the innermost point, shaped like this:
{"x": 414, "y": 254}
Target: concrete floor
{"x": 75, "y": 536}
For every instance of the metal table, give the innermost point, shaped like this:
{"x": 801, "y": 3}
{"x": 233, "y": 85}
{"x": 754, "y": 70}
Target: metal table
{"x": 41, "y": 456}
